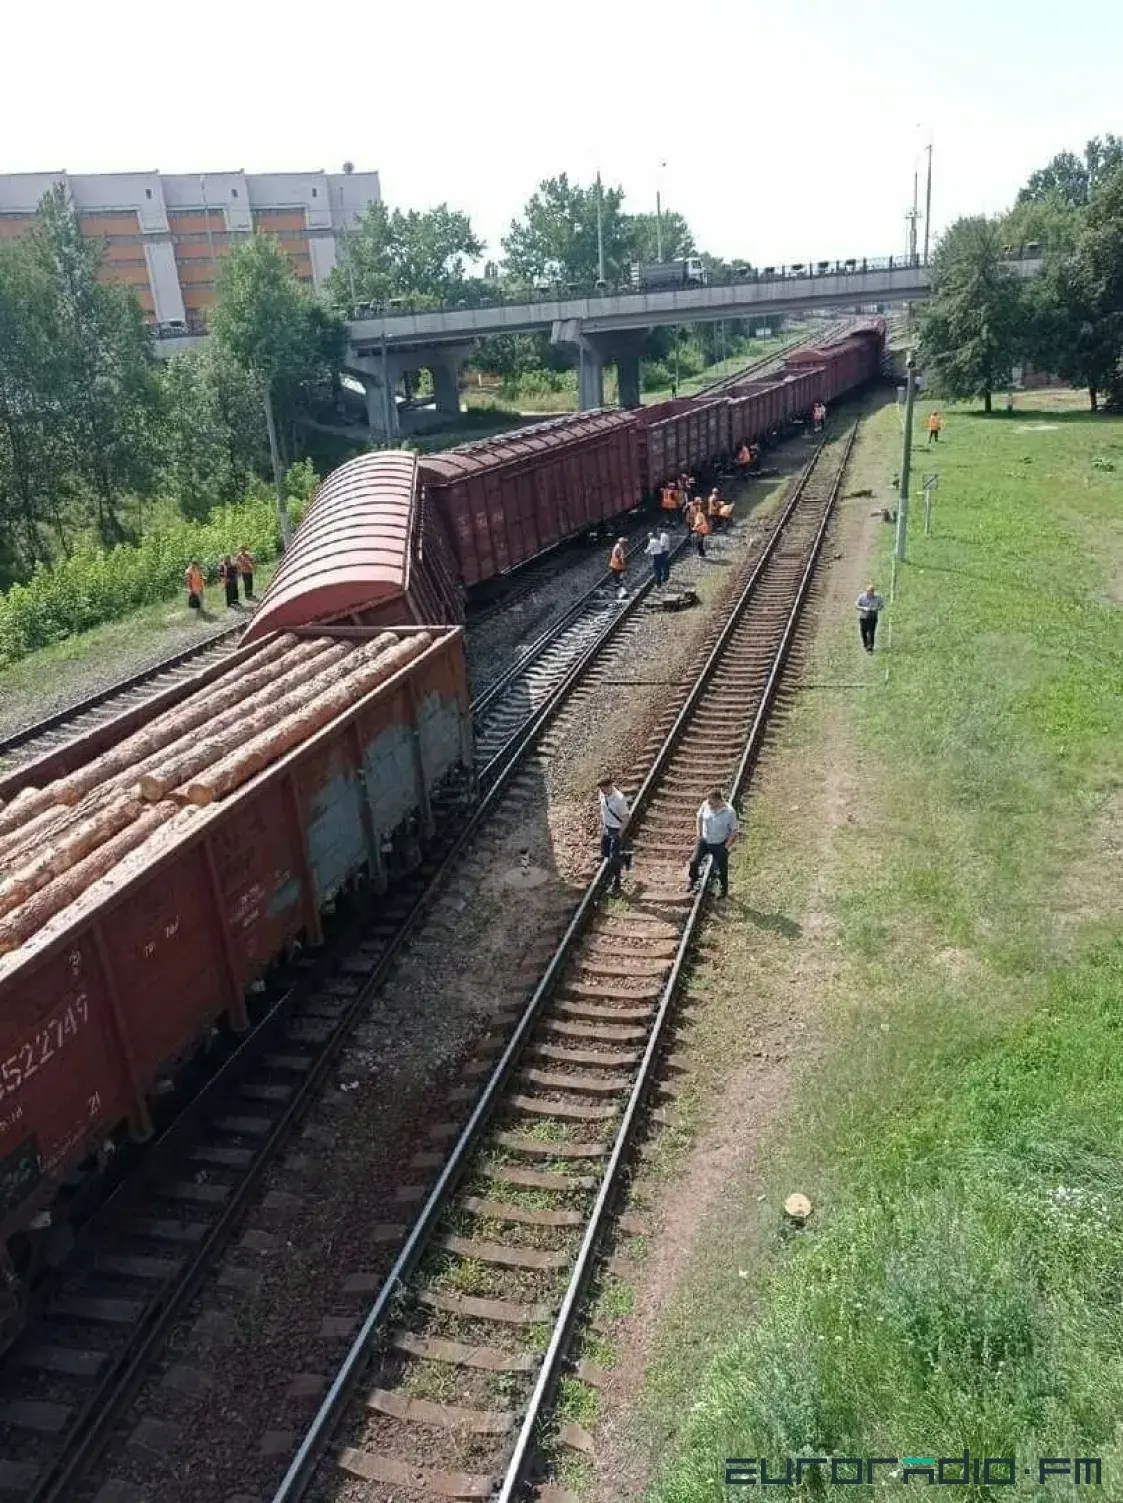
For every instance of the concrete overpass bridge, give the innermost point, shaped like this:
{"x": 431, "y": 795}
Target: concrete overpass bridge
{"x": 607, "y": 327}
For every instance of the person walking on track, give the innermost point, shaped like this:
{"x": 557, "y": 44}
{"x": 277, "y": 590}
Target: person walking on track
{"x": 869, "y": 604}
{"x": 196, "y": 584}
{"x": 245, "y": 562}
{"x": 614, "y": 814}
{"x": 654, "y": 552}
{"x": 718, "y": 828}
{"x": 935, "y": 423}
{"x": 228, "y": 578}
{"x": 618, "y": 561}
{"x": 664, "y": 557}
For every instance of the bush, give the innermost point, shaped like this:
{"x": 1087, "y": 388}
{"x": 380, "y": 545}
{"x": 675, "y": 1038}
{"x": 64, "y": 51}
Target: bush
{"x": 95, "y": 585}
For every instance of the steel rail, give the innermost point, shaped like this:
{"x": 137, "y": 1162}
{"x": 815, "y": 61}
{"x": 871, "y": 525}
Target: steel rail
{"x": 320, "y": 1431}
{"x": 120, "y": 686}
{"x": 550, "y": 1370}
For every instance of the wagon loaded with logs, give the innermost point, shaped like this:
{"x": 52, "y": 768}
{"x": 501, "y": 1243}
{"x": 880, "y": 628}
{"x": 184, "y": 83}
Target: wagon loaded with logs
{"x": 147, "y": 888}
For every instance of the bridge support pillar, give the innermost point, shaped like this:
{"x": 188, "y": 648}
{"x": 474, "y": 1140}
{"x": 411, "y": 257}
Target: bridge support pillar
{"x": 590, "y": 378}
{"x": 595, "y": 350}
{"x": 446, "y": 365}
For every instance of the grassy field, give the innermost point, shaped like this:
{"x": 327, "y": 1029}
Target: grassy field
{"x": 959, "y": 1128}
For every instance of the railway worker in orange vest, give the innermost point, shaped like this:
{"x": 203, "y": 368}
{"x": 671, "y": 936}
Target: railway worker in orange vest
{"x": 713, "y": 510}
{"x": 744, "y": 457}
{"x": 618, "y": 561}
{"x": 700, "y": 529}
{"x": 196, "y": 584}
{"x": 669, "y": 501}
{"x": 935, "y": 423}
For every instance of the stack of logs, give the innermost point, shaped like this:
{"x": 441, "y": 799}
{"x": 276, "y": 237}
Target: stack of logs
{"x": 63, "y": 847}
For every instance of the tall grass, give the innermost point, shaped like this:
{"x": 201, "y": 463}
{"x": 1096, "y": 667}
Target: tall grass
{"x": 96, "y": 585}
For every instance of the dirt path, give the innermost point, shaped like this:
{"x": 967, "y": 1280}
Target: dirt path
{"x": 756, "y": 1021}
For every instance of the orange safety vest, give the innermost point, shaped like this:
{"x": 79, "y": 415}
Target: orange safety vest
{"x": 744, "y": 455}
{"x": 700, "y": 524}
{"x": 670, "y": 499}
{"x": 933, "y": 424}
{"x": 195, "y": 582}
{"x": 616, "y": 563}
{"x": 714, "y": 507}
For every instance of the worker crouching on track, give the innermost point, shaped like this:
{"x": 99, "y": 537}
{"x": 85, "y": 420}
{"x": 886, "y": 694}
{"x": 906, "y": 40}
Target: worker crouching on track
{"x": 196, "y": 586}
{"x": 718, "y": 828}
{"x": 618, "y": 562}
{"x": 614, "y": 815}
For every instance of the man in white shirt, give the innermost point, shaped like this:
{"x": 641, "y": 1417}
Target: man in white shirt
{"x": 869, "y": 605}
{"x": 718, "y": 827}
{"x": 654, "y": 553}
{"x": 614, "y": 815}
{"x": 664, "y": 557}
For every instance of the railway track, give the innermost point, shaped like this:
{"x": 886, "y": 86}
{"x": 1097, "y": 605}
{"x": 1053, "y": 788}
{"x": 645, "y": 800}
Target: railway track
{"x": 85, "y": 715}
{"x": 446, "y": 1389}
{"x": 145, "y": 1253}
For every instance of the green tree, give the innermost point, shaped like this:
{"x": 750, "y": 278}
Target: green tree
{"x": 422, "y": 255}
{"x": 108, "y": 390}
{"x": 1099, "y": 272}
{"x": 274, "y": 328}
{"x": 974, "y": 323}
{"x": 32, "y": 446}
{"x": 645, "y": 232}
{"x": 557, "y": 234}
{"x": 212, "y": 440}
{"x": 1073, "y": 179}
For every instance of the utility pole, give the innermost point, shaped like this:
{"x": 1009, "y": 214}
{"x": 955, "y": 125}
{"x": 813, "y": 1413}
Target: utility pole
{"x": 906, "y": 459}
{"x": 275, "y": 456}
{"x": 600, "y": 236}
{"x": 912, "y": 216}
{"x": 659, "y": 219}
{"x": 347, "y": 245}
{"x": 928, "y": 203}
{"x": 210, "y": 237}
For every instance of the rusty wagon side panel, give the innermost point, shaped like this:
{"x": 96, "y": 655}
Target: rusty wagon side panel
{"x": 93, "y": 1012}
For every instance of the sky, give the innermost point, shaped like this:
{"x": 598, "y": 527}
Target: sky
{"x": 790, "y": 129}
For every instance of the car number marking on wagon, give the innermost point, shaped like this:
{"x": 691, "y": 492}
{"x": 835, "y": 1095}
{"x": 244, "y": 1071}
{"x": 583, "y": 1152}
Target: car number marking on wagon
{"x": 43, "y": 1045}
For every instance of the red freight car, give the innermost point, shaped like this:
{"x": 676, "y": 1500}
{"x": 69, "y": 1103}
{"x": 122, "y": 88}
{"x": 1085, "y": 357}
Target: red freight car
{"x": 368, "y": 551}
{"x": 680, "y": 437}
{"x": 96, "y": 1007}
{"x": 505, "y": 499}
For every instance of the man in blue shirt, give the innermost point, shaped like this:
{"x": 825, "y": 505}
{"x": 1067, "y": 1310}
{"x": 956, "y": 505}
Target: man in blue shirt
{"x": 718, "y": 827}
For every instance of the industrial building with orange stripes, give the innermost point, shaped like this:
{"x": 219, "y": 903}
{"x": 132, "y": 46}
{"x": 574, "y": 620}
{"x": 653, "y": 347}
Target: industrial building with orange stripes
{"x": 165, "y": 234}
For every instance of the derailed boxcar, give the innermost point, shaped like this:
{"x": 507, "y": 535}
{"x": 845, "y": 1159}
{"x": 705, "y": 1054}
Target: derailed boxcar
{"x": 369, "y": 551}
{"x": 112, "y": 992}
{"x": 504, "y": 500}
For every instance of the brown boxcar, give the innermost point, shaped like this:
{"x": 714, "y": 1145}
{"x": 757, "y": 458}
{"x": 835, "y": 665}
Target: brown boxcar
{"x": 94, "y": 1011}
{"x": 681, "y": 436}
{"x": 369, "y": 551}
{"x": 505, "y": 499}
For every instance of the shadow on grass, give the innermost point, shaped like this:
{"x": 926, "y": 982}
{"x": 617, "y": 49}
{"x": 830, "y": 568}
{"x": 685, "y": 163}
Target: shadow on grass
{"x": 775, "y": 923}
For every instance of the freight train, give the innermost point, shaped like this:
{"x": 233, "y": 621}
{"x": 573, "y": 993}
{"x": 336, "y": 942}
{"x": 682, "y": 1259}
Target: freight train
{"x": 392, "y": 536}
{"x": 152, "y": 871}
